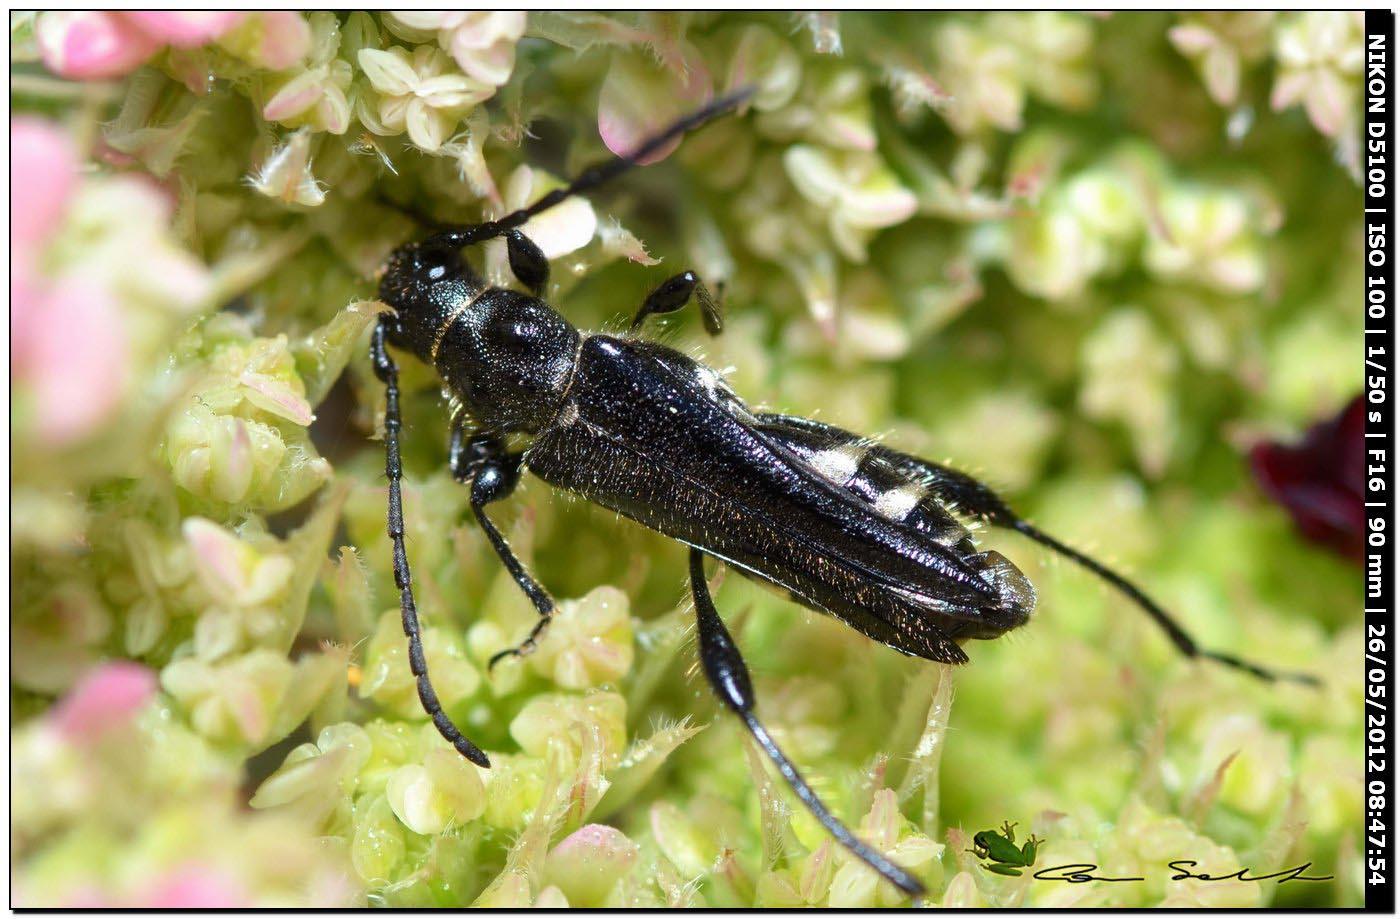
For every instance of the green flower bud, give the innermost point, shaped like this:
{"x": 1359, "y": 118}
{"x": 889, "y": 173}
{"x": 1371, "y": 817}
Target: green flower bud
{"x": 855, "y": 884}
{"x": 760, "y": 58}
{"x": 1258, "y": 777}
{"x": 1128, "y": 369}
{"x": 589, "y": 862}
{"x": 516, "y": 784}
{"x": 510, "y": 890}
{"x": 589, "y": 643}
{"x": 1319, "y": 57}
{"x": 378, "y": 844}
{"x": 1106, "y": 202}
{"x": 233, "y": 702}
{"x": 962, "y": 893}
{"x": 982, "y": 75}
{"x": 317, "y": 778}
{"x": 566, "y": 719}
{"x": 391, "y": 683}
{"x": 445, "y": 791}
{"x": 853, "y": 887}
{"x": 856, "y": 190}
{"x": 682, "y": 841}
{"x": 551, "y": 898}
{"x": 1207, "y": 238}
{"x": 1049, "y": 253}
{"x": 1220, "y": 44}
{"x": 1055, "y": 54}
{"x": 217, "y": 456}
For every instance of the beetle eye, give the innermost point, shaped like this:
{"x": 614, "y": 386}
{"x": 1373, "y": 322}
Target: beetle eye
{"x": 435, "y": 263}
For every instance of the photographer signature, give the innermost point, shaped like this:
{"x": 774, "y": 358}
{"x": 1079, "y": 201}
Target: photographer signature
{"x": 1082, "y": 873}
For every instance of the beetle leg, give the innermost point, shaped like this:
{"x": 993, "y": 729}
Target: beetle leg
{"x": 388, "y": 373}
{"x": 729, "y": 677}
{"x": 527, "y": 261}
{"x": 674, "y": 293}
{"x": 493, "y": 472}
{"x": 976, "y": 499}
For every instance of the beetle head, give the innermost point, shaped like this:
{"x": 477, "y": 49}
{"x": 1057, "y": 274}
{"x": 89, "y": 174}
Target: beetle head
{"x": 423, "y": 281}
{"x": 505, "y": 354}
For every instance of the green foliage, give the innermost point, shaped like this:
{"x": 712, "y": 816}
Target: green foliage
{"x": 1083, "y": 256}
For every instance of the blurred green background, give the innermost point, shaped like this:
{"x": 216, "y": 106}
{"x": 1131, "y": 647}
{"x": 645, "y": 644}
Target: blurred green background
{"x": 1092, "y": 259}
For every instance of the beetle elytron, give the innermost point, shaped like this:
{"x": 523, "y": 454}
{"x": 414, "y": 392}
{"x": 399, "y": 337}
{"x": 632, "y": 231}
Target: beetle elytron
{"x": 846, "y": 527}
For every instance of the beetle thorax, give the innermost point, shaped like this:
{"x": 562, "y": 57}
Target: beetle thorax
{"x": 506, "y": 355}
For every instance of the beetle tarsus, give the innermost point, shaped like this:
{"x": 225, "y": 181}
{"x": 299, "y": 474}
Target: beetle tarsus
{"x": 673, "y": 294}
{"x": 526, "y": 647}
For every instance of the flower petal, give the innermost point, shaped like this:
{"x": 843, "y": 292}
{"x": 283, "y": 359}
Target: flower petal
{"x": 184, "y": 28}
{"x": 80, "y": 356}
{"x": 453, "y": 91}
{"x": 427, "y": 127}
{"x": 295, "y": 97}
{"x": 390, "y": 71}
{"x": 560, "y": 230}
{"x": 91, "y": 45}
{"x": 285, "y": 40}
{"x": 43, "y": 174}
{"x": 638, "y": 99}
{"x": 106, "y": 698}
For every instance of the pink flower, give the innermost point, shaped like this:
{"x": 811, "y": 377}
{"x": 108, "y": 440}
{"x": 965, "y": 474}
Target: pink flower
{"x": 76, "y": 380}
{"x": 190, "y": 886}
{"x": 639, "y": 98}
{"x": 194, "y": 887}
{"x": 587, "y": 864}
{"x": 184, "y": 28}
{"x": 107, "y": 698}
{"x": 68, "y": 343}
{"x": 95, "y": 45}
{"x": 482, "y": 42}
{"x": 43, "y": 172}
{"x": 277, "y": 40}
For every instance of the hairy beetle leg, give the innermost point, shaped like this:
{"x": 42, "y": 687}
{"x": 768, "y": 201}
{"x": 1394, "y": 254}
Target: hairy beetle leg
{"x": 493, "y": 472}
{"x": 527, "y": 261}
{"x": 525, "y": 648}
{"x": 674, "y": 293}
{"x": 728, "y": 675}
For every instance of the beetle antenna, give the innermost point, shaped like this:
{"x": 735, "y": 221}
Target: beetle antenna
{"x": 1178, "y": 636}
{"x": 430, "y": 224}
{"x": 457, "y": 237}
{"x": 388, "y": 373}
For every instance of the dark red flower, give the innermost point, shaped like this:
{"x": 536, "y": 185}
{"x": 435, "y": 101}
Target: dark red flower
{"x": 1321, "y": 480}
